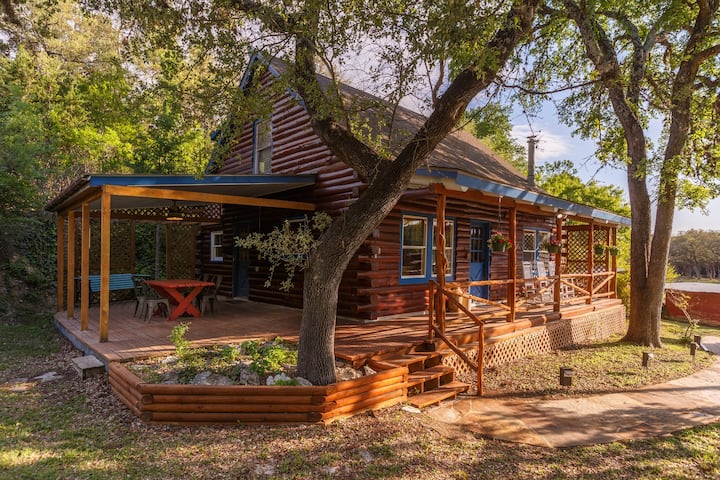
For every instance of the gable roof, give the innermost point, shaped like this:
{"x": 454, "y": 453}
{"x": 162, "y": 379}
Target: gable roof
{"x": 460, "y": 156}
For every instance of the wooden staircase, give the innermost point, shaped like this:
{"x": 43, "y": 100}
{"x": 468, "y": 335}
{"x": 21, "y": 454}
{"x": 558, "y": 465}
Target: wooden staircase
{"x": 429, "y": 381}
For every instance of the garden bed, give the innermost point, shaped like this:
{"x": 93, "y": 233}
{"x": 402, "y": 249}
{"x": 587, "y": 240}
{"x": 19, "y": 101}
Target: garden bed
{"x": 232, "y": 404}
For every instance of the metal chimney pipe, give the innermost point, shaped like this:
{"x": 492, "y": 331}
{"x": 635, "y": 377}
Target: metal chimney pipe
{"x": 532, "y": 141}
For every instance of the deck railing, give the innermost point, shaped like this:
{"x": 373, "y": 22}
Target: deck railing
{"x": 554, "y": 290}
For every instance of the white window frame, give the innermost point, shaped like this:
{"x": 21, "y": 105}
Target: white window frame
{"x": 216, "y": 254}
{"x": 422, "y": 248}
{"x": 262, "y": 147}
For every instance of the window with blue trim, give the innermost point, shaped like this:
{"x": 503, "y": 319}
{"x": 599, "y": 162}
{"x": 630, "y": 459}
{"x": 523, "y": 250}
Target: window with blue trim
{"x": 262, "y": 148}
{"x": 417, "y": 259}
{"x": 532, "y": 240}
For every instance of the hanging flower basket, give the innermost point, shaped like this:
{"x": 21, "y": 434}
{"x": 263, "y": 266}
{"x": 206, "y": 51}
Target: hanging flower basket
{"x": 552, "y": 245}
{"x": 599, "y": 248}
{"x": 613, "y": 251}
{"x": 498, "y": 243}
{"x": 498, "y": 246}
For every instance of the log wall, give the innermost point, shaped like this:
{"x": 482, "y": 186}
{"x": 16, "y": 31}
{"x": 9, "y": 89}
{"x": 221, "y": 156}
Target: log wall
{"x": 233, "y": 404}
{"x": 371, "y": 286}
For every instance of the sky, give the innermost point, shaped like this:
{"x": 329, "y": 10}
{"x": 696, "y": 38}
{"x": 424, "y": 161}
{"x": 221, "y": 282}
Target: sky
{"x": 557, "y": 143}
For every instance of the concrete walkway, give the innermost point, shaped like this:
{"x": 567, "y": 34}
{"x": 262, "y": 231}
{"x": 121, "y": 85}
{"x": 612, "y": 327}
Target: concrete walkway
{"x": 648, "y": 412}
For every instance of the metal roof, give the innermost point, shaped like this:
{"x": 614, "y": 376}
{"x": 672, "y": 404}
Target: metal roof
{"x": 560, "y": 205}
{"x": 232, "y": 185}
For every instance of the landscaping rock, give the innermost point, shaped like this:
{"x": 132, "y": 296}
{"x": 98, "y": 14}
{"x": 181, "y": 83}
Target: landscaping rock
{"x": 272, "y": 380}
{"x": 244, "y": 375}
{"x": 48, "y": 377}
{"x": 303, "y": 382}
{"x": 209, "y": 378}
{"x": 347, "y": 373}
{"x": 368, "y": 371}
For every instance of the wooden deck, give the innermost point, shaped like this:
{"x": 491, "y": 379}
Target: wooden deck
{"x": 236, "y": 321}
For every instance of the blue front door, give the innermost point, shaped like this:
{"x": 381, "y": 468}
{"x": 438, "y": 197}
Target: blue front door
{"x": 479, "y": 236}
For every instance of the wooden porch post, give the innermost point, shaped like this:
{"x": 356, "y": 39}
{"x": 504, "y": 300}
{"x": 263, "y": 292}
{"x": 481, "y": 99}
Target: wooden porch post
{"x": 71, "y": 265}
{"x": 60, "y": 262}
{"x": 104, "y": 265}
{"x": 591, "y": 259}
{"x": 558, "y": 263}
{"x": 512, "y": 263}
{"x": 440, "y": 261}
{"x": 85, "y": 266}
{"x": 613, "y": 281}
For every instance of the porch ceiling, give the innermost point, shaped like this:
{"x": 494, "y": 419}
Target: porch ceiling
{"x": 153, "y": 191}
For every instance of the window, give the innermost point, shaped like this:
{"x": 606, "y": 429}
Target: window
{"x": 262, "y": 154}
{"x": 532, "y": 240}
{"x": 216, "y": 254}
{"x": 414, "y": 247}
{"x": 449, "y": 246}
{"x": 417, "y": 260}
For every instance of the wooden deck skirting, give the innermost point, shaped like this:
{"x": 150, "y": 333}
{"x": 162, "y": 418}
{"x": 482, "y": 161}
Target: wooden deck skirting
{"x": 233, "y": 404}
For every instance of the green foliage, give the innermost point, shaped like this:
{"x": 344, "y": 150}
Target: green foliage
{"x": 696, "y": 254}
{"x": 177, "y": 337}
{"x": 491, "y": 124}
{"x": 269, "y": 357}
{"x": 292, "y": 382}
{"x": 288, "y": 247}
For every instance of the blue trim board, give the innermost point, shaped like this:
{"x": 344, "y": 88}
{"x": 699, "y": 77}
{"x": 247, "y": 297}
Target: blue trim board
{"x": 487, "y": 186}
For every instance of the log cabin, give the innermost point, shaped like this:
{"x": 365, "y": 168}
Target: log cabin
{"x": 474, "y": 191}
{"x": 276, "y": 169}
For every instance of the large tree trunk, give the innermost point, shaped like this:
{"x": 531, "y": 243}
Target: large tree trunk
{"x": 387, "y": 181}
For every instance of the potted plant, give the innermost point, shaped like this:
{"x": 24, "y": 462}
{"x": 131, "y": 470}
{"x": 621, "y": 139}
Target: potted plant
{"x": 599, "y": 248}
{"x": 613, "y": 250}
{"x": 552, "y": 245}
{"x": 499, "y": 243}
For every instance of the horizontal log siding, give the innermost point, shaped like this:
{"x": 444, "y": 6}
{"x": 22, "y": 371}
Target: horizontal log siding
{"x": 209, "y": 404}
{"x": 371, "y": 284}
{"x": 381, "y": 276}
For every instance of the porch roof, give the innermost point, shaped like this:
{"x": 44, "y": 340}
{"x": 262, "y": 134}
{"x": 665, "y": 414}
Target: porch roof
{"x": 455, "y": 178}
{"x": 186, "y": 186}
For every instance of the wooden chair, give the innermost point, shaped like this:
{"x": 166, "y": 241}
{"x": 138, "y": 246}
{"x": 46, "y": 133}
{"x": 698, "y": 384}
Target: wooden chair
{"x": 530, "y": 281}
{"x": 546, "y": 293}
{"x": 209, "y": 297}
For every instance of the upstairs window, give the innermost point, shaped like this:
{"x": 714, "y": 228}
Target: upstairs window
{"x": 262, "y": 153}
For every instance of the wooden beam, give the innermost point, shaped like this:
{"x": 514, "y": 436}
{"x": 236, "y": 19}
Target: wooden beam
{"x": 71, "y": 265}
{"x": 558, "y": 263}
{"x": 60, "y": 262}
{"x": 591, "y": 259}
{"x": 105, "y": 266}
{"x": 440, "y": 261}
{"x": 85, "y": 266}
{"x": 613, "y": 283}
{"x": 169, "y": 194}
{"x": 512, "y": 263}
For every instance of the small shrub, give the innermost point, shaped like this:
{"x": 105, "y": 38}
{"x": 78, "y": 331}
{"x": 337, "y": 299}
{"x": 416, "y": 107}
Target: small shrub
{"x": 288, "y": 383}
{"x": 269, "y": 357}
{"x": 177, "y": 337}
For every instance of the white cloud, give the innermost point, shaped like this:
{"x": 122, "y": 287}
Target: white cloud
{"x": 551, "y": 146}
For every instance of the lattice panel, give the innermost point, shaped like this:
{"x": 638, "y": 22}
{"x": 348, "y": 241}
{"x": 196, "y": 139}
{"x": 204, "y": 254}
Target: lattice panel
{"x": 548, "y": 338}
{"x": 122, "y": 255}
{"x": 180, "y": 250}
{"x": 197, "y": 213}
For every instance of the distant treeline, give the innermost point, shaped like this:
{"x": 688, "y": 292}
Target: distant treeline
{"x": 696, "y": 253}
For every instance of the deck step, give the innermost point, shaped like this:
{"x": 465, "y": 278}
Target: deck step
{"x": 434, "y": 397}
{"x": 429, "y": 375}
{"x": 406, "y": 360}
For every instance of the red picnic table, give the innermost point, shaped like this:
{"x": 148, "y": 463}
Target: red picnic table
{"x": 181, "y": 293}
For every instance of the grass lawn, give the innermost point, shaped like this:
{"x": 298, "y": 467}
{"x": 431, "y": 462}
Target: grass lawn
{"x": 77, "y": 430}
